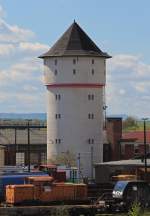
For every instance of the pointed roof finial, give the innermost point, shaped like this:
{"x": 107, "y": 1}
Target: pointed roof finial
{"x": 74, "y": 20}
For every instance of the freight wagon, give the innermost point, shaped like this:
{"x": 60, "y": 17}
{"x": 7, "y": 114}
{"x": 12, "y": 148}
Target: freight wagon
{"x": 43, "y": 190}
{"x": 15, "y": 179}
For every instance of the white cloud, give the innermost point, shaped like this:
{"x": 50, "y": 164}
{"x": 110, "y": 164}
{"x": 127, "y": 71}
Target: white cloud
{"x": 128, "y": 85}
{"x": 21, "y": 88}
{"x": 13, "y": 34}
{"x": 123, "y": 61}
{"x": 26, "y": 70}
{"x": 122, "y": 92}
{"x": 33, "y": 47}
{"x": 30, "y": 88}
{"x": 143, "y": 86}
{"x": 6, "y": 49}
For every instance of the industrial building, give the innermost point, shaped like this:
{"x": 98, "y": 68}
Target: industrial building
{"x": 21, "y": 142}
{"x": 75, "y": 78}
{"x": 2, "y": 155}
{"x": 105, "y": 171}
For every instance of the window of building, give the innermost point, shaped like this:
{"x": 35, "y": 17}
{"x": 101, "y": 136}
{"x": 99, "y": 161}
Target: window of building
{"x": 55, "y": 61}
{"x": 20, "y": 158}
{"x": 57, "y": 116}
{"x": 90, "y": 116}
{"x": 92, "y": 71}
{"x": 55, "y": 72}
{"x": 136, "y": 151}
{"x": 43, "y": 157}
{"x": 74, "y": 71}
{"x": 91, "y": 141}
{"x": 91, "y": 97}
{"x": 34, "y": 158}
{"x": 92, "y": 61}
{"x": 57, "y": 141}
{"x": 74, "y": 61}
{"x": 58, "y": 96}
{"x": 73, "y": 174}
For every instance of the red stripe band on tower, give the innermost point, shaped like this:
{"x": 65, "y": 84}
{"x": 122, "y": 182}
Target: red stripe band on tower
{"x": 75, "y": 85}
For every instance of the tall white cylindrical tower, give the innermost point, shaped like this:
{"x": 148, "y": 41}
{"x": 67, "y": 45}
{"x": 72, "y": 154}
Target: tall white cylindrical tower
{"x": 75, "y": 75}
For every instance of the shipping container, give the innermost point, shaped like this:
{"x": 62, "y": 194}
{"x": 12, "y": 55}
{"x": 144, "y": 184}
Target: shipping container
{"x": 56, "y": 192}
{"x": 80, "y": 191}
{"x": 16, "y": 194}
{"x": 123, "y": 177}
{"x": 14, "y": 180}
{"x": 39, "y": 180}
{"x": 45, "y": 192}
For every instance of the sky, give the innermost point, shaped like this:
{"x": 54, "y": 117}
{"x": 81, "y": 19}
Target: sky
{"x": 28, "y": 28}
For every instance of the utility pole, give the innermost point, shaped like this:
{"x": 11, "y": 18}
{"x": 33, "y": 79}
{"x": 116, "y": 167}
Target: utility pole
{"x": 15, "y": 144}
{"x": 92, "y": 149}
{"x": 104, "y": 109}
{"x": 145, "y": 149}
{"x": 29, "y": 162}
{"x": 79, "y": 166}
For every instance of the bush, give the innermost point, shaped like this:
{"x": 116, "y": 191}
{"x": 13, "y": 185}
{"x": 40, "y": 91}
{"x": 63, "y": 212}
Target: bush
{"x": 135, "y": 210}
{"x": 130, "y": 122}
{"x": 61, "y": 211}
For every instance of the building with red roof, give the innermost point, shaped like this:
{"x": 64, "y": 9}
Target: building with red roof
{"x": 132, "y": 144}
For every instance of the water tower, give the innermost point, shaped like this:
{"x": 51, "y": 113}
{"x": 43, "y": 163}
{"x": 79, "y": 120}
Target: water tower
{"x": 75, "y": 77}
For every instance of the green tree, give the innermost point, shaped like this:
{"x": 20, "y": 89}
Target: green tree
{"x": 130, "y": 122}
{"x": 135, "y": 210}
{"x": 66, "y": 158}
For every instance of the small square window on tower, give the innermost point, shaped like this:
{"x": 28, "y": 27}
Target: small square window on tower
{"x": 57, "y": 116}
{"x": 92, "y": 71}
{"x": 74, "y": 61}
{"x": 55, "y": 61}
{"x": 90, "y": 96}
{"x": 57, "y": 141}
{"x": 74, "y": 71}
{"x": 57, "y": 96}
{"x": 90, "y": 141}
{"x": 92, "y": 61}
{"x": 90, "y": 116}
{"x": 55, "y": 72}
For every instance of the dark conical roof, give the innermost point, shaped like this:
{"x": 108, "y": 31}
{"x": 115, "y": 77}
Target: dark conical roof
{"x": 75, "y": 42}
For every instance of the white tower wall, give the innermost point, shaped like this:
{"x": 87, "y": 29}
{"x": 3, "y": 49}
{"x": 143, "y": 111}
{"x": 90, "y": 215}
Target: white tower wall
{"x": 71, "y": 99}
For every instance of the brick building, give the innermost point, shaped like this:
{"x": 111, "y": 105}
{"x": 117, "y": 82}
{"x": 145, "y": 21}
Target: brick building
{"x": 123, "y": 145}
{"x": 132, "y": 144}
{"x": 112, "y": 149}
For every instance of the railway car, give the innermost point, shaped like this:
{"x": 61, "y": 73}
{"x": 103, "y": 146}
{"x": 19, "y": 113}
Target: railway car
{"x": 43, "y": 191}
{"x": 126, "y": 192}
{"x": 15, "y": 180}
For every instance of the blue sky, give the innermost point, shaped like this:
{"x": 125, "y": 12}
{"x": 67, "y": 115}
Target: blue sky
{"x": 28, "y": 28}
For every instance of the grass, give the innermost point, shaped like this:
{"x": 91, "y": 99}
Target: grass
{"x": 119, "y": 214}
{"x": 139, "y": 127}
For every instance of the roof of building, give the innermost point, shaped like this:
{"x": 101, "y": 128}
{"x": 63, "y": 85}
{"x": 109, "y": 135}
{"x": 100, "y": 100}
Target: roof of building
{"x": 131, "y": 162}
{"x": 75, "y": 42}
{"x": 137, "y": 135}
{"x": 37, "y": 136}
